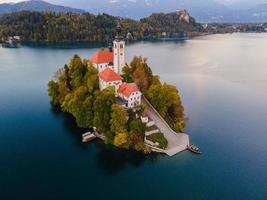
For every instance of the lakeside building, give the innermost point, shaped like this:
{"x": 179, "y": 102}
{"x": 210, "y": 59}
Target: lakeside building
{"x": 109, "y": 64}
{"x": 108, "y": 77}
{"x": 130, "y": 93}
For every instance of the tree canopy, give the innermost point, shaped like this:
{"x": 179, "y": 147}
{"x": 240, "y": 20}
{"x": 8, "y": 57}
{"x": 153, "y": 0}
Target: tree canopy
{"x": 164, "y": 97}
{"x": 75, "y": 90}
{"x": 86, "y": 27}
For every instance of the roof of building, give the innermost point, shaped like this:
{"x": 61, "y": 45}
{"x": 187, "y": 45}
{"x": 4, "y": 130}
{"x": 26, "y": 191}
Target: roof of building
{"x": 103, "y": 56}
{"x": 109, "y": 75}
{"x": 126, "y": 89}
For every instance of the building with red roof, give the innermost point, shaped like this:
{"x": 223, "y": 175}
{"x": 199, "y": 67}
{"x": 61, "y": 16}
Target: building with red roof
{"x": 108, "y": 77}
{"x": 114, "y": 58}
{"x": 103, "y": 59}
{"x": 109, "y": 64}
{"x": 130, "y": 93}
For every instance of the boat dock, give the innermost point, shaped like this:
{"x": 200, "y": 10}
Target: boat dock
{"x": 88, "y": 137}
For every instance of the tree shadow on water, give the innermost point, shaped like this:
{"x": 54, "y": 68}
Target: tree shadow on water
{"x": 69, "y": 124}
{"x": 109, "y": 159}
{"x": 112, "y": 160}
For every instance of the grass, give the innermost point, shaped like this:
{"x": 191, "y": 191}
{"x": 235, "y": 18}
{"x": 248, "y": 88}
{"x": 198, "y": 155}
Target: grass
{"x": 151, "y": 128}
{"x": 158, "y": 137}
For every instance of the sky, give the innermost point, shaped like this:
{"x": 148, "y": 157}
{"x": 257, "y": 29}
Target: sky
{"x": 221, "y": 1}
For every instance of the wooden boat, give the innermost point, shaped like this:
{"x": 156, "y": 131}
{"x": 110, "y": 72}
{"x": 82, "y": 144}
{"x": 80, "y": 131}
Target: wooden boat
{"x": 88, "y": 137}
{"x": 194, "y": 149}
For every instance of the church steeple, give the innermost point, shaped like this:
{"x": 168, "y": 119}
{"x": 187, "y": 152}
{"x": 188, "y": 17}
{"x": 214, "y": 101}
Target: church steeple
{"x": 119, "y": 50}
{"x": 119, "y": 36}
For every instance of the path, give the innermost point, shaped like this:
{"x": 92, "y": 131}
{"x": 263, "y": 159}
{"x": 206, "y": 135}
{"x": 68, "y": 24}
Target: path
{"x": 177, "y": 142}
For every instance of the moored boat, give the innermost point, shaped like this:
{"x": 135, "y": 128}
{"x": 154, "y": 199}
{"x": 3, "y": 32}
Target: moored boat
{"x": 194, "y": 149}
{"x": 11, "y": 42}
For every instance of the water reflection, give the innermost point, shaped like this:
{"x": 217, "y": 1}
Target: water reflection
{"x": 109, "y": 159}
{"x": 112, "y": 160}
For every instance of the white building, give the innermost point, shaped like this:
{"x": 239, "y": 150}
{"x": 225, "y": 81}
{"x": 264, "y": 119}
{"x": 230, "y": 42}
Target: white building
{"x": 109, "y": 64}
{"x": 107, "y": 78}
{"x": 113, "y": 59}
{"x": 103, "y": 59}
{"x": 130, "y": 93}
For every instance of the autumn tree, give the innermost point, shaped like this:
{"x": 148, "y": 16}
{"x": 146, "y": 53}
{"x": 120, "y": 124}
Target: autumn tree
{"x": 118, "y": 122}
{"x": 102, "y": 110}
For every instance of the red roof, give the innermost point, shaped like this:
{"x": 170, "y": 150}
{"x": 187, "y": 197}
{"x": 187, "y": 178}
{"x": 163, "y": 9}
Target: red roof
{"x": 126, "y": 89}
{"x": 109, "y": 75}
{"x": 103, "y": 56}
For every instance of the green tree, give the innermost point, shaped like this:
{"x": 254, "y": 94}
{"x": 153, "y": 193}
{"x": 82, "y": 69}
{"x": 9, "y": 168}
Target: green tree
{"x": 53, "y": 92}
{"x": 118, "y": 121}
{"x": 102, "y": 110}
{"x": 137, "y": 125}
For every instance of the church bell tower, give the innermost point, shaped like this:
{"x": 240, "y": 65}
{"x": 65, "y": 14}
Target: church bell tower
{"x": 119, "y": 51}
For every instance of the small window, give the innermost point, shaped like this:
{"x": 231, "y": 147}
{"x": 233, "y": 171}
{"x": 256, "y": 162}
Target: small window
{"x": 121, "y": 54}
{"x": 115, "y": 46}
{"x": 121, "y": 46}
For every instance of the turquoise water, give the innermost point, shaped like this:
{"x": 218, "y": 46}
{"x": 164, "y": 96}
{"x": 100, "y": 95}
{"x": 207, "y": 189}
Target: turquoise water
{"x": 223, "y": 83}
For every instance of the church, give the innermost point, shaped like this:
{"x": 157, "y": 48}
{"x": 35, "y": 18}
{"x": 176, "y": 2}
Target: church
{"x": 109, "y": 64}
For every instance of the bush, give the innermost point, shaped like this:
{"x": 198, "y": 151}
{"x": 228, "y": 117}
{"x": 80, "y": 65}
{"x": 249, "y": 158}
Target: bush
{"x": 137, "y": 125}
{"x": 151, "y": 128}
{"x": 159, "y": 138}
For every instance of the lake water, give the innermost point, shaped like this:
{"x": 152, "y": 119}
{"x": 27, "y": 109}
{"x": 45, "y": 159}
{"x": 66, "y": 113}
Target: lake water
{"x": 223, "y": 83}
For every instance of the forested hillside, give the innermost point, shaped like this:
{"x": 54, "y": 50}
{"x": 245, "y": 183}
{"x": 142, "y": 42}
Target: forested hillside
{"x": 86, "y": 27}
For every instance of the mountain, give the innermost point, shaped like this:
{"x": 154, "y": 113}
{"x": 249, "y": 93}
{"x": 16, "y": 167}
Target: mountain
{"x": 36, "y": 5}
{"x": 201, "y": 10}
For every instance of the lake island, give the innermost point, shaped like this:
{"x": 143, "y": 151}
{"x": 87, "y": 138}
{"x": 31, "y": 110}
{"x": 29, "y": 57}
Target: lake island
{"x": 127, "y": 105}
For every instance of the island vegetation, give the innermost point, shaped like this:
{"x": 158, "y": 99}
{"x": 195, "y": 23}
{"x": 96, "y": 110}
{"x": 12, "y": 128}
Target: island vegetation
{"x": 164, "y": 97}
{"x": 86, "y": 27}
{"x": 75, "y": 89}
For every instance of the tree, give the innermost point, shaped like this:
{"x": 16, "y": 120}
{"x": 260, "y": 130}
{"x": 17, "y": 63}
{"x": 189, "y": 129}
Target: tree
{"x": 166, "y": 100}
{"x": 121, "y": 140}
{"x": 137, "y": 125}
{"x": 53, "y": 92}
{"x": 141, "y": 73}
{"x": 102, "y": 110}
{"x": 118, "y": 122}
{"x": 92, "y": 79}
{"x": 80, "y": 105}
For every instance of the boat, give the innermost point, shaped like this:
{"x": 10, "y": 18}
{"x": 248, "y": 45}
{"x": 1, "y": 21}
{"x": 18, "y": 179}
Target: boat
{"x": 194, "y": 149}
{"x": 88, "y": 137}
{"x": 12, "y": 42}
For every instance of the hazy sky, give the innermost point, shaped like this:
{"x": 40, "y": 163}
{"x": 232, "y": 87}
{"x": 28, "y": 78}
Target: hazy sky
{"x": 222, "y": 1}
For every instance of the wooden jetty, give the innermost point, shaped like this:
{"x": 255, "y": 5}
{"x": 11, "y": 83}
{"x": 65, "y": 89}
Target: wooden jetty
{"x": 88, "y": 137}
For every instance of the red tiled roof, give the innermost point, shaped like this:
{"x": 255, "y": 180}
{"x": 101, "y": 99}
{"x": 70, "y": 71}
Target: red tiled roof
{"x": 109, "y": 75}
{"x": 103, "y": 56}
{"x": 127, "y": 89}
